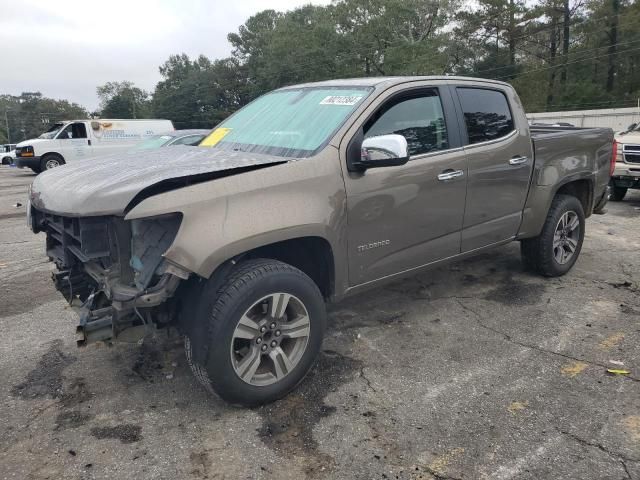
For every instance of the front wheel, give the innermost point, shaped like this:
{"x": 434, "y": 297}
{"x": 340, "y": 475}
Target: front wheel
{"x": 51, "y": 160}
{"x": 265, "y": 330}
{"x": 558, "y": 246}
{"x": 617, "y": 193}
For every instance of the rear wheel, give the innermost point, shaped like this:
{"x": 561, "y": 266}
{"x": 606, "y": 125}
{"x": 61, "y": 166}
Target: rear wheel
{"x": 617, "y": 193}
{"x": 51, "y": 160}
{"x": 265, "y": 330}
{"x": 558, "y": 246}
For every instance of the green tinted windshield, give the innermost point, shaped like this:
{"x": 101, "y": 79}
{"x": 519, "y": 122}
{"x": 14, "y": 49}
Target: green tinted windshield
{"x": 289, "y": 123}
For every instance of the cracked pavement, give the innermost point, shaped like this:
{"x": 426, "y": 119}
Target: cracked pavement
{"x": 475, "y": 370}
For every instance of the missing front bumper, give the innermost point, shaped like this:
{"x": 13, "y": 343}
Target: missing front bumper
{"x": 125, "y": 318}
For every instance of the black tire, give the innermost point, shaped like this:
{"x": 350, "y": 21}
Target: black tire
{"x": 50, "y": 159}
{"x": 249, "y": 282}
{"x": 617, "y": 193}
{"x": 538, "y": 253}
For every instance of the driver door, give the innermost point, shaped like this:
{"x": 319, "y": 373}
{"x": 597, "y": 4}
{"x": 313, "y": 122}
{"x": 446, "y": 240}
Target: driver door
{"x": 74, "y": 143}
{"x": 403, "y": 217}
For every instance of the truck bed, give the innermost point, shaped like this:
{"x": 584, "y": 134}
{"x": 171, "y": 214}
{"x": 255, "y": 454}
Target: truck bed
{"x": 541, "y": 131}
{"x": 569, "y": 152}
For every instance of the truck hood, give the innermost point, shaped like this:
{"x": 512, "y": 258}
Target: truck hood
{"x": 631, "y": 137}
{"x": 106, "y": 185}
{"x": 32, "y": 142}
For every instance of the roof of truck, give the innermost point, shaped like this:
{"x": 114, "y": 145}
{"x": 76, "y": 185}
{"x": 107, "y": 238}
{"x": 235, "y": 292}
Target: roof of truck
{"x": 389, "y": 81}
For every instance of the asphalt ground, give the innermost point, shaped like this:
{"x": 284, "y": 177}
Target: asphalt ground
{"x": 476, "y": 370}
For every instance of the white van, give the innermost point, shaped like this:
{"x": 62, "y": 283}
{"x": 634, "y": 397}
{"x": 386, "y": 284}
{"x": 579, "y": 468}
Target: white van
{"x": 76, "y": 139}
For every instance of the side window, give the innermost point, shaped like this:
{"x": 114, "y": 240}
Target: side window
{"x": 418, "y": 118}
{"x": 486, "y": 114}
{"x": 73, "y": 130}
{"x": 66, "y": 133}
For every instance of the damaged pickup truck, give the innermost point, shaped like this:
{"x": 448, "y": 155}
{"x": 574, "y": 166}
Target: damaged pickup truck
{"x": 306, "y": 195}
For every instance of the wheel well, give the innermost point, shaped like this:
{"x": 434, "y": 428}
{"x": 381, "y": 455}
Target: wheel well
{"x": 52, "y": 153}
{"x": 312, "y": 255}
{"x": 581, "y": 189}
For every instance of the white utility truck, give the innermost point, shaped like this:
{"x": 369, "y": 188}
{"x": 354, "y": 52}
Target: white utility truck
{"x": 77, "y": 139}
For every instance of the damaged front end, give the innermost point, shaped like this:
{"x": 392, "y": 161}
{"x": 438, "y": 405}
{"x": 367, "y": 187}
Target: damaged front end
{"x": 114, "y": 271}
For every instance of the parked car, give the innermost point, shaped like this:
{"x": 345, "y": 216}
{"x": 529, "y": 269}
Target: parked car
{"x": 627, "y": 171}
{"x": 8, "y": 153}
{"x": 73, "y": 140}
{"x": 173, "y": 138}
{"x": 309, "y": 194}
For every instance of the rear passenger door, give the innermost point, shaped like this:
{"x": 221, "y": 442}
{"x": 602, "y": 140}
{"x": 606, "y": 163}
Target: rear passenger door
{"x": 500, "y": 161}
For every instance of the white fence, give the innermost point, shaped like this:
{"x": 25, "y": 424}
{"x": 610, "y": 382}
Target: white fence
{"x": 615, "y": 118}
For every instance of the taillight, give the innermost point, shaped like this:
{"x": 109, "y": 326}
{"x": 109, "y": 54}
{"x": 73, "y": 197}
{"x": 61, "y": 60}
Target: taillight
{"x": 614, "y": 154}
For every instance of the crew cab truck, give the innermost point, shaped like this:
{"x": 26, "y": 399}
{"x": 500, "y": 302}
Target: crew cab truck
{"x": 627, "y": 171}
{"x": 73, "y": 140}
{"x": 306, "y": 195}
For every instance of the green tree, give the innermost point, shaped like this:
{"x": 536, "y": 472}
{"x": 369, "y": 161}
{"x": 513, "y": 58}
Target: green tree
{"x": 30, "y": 114}
{"x": 558, "y": 54}
{"x": 123, "y": 100}
{"x": 497, "y": 33}
{"x": 398, "y": 37}
{"x": 199, "y": 93}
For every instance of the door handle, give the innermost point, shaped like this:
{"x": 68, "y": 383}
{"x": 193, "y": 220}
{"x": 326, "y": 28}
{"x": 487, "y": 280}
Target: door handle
{"x": 518, "y": 160}
{"x": 450, "y": 175}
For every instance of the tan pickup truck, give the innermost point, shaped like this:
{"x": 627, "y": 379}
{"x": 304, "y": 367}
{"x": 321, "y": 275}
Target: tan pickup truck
{"x": 627, "y": 172}
{"x": 306, "y": 195}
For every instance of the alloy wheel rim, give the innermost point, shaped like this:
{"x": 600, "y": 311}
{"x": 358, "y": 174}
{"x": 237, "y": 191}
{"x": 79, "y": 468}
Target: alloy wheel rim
{"x": 270, "y": 339}
{"x": 566, "y": 237}
{"x": 52, "y": 164}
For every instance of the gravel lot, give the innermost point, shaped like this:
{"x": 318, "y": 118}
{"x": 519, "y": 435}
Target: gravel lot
{"x": 474, "y": 370}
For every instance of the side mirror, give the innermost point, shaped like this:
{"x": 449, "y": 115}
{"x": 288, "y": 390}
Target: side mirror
{"x": 383, "y": 151}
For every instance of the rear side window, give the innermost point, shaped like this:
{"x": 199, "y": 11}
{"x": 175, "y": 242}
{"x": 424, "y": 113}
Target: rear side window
{"x": 486, "y": 114}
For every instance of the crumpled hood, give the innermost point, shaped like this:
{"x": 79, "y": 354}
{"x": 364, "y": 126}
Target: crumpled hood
{"x": 106, "y": 185}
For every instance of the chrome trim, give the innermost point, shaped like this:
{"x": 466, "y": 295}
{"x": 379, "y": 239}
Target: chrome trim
{"x": 513, "y": 133}
{"x": 444, "y": 176}
{"x": 626, "y": 152}
{"x": 518, "y": 160}
{"x": 434, "y": 153}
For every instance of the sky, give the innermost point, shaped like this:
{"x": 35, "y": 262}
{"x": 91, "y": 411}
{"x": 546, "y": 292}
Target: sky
{"x": 66, "y": 48}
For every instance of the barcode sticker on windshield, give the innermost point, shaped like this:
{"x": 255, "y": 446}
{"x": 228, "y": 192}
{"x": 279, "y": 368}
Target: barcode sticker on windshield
{"x": 340, "y": 100}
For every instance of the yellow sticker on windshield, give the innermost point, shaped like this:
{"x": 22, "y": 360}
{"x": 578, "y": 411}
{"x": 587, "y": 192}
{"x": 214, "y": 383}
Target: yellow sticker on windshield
{"x": 215, "y": 137}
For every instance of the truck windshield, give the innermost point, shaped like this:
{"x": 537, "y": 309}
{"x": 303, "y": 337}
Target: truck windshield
{"x": 288, "y": 123}
{"x": 53, "y": 131}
